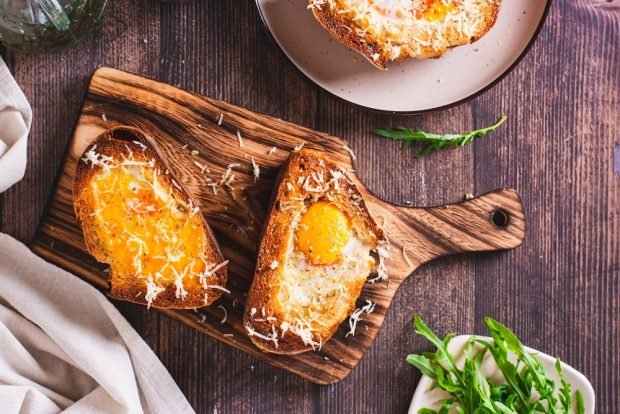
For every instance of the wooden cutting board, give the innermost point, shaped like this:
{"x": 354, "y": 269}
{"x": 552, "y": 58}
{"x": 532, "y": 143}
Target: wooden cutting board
{"x": 187, "y": 129}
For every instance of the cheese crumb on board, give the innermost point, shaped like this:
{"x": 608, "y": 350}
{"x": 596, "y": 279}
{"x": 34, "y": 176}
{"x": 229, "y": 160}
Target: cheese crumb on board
{"x": 225, "y": 313}
{"x": 356, "y": 316}
{"x": 405, "y": 256}
{"x": 255, "y": 169}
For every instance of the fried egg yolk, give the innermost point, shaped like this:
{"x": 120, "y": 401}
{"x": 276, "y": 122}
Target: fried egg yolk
{"x": 322, "y": 233}
{"x": 145, "y": 229}
{"x": 429, "y": 10}
{"x": 437, "y": 10}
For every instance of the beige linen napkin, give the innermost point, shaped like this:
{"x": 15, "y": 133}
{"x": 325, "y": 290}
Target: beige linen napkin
{"x": 15, "y": 120}
{"x": 64, "y": 346}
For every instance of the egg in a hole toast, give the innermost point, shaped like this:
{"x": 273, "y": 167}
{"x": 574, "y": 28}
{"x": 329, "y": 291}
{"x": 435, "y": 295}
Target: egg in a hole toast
{"x": 315, "y": 254}
{"x": 386, "y": 30}
{"x": 138, "y": 219}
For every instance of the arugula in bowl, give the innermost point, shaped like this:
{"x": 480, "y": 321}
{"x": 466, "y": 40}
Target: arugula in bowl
{"x": 526, "y": 388}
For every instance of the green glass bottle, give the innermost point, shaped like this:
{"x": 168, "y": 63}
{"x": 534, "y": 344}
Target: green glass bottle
{"x": 47, "y": 25}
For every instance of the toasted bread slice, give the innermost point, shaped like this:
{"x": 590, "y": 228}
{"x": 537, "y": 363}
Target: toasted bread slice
{"x": 139, "y": 220}
{"x": 384, "y": 30}
{"x": 313, "y": 259}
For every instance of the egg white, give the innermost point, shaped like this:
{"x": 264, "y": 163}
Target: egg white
{"x": 316, "y": 296}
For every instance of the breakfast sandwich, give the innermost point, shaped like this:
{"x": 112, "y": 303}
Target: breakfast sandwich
{"x": 317, "y": 251}
{"x": 385, "y": 30}
{"x": 139, "y": 220}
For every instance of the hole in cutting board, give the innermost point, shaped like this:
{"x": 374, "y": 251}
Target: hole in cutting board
{"x": 500, "y": 218}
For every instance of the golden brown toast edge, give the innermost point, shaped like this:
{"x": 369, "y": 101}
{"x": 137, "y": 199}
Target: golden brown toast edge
{"x": 341, "y": 30}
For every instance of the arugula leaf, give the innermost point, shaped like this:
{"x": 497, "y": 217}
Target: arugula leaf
{"x": 508, "y": 370}
{"x": 435, "y": 142}
{"x": 528, "y": 388}
{"x": 423, "y": 364}
{"x": 564, "y": 395}
{"x": 442, "y": 346}
{"x": 506, "y": 339}
{"x": 580, "y": 406}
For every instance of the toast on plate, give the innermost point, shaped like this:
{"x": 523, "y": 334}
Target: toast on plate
{"x": 139, "y": 220}
{"x": 315, "y": 255}
{"x": 386, "y": 30}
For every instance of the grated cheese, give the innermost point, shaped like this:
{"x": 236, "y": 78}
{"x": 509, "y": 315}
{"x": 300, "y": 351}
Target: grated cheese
{"x": 356, "y": 316}
{"x": 406, "y": 257}
{"x": 180, "y": 292}
{"x": 213, "y": 187}
{"x": 152, "y": 291}
{"x": 350, "y": 151}
{"x": 97, "y": 159}
{"x": 203, "y": 168}
{"x": 219, "y": 122}
{"x": 382, "y": 252}
{"x": 222, "y": 288}
{"x": 225, "y": 313}
{"x": 256, "y": 170}
{"x": 273, "y": 337}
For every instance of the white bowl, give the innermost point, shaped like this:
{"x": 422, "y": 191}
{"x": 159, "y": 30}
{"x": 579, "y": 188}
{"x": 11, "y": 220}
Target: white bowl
{"x": 425, "y": 397}
{"x": 411, "y": 86}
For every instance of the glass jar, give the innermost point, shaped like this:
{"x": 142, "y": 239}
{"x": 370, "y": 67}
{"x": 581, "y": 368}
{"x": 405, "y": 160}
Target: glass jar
{"x": 47, "y": 25}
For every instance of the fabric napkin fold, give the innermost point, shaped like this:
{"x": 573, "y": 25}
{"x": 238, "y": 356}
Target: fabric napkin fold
{"x": 15, "y": 121}
{"x": 64, "y": 346}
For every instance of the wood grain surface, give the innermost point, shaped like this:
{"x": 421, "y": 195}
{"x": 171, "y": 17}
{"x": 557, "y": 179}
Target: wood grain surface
{"x": 559, "y": 291}
{"x": 199, "y": 139}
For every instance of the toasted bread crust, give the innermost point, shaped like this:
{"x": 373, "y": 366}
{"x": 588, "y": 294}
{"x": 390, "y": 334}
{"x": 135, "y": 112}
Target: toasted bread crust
{"x": 344, "y": 30}
{"x": 130, "y": 142}
{"x": 272, "y": 248}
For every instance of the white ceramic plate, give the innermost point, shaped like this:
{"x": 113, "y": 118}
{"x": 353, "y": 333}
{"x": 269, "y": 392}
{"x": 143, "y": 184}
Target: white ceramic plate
{"x": 411, "y": 86}
{"x": 425, "y": 397}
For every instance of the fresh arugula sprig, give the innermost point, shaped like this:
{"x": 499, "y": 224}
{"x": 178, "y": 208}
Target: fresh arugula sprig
{"x": 528, "y": 388}
{"x": 434, "y": 142}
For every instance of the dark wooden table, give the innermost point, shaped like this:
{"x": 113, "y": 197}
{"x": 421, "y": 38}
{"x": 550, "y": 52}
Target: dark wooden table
{"x": 560, "y": 291}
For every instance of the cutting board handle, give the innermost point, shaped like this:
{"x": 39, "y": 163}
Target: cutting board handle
{"x": 492, "y": 221}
